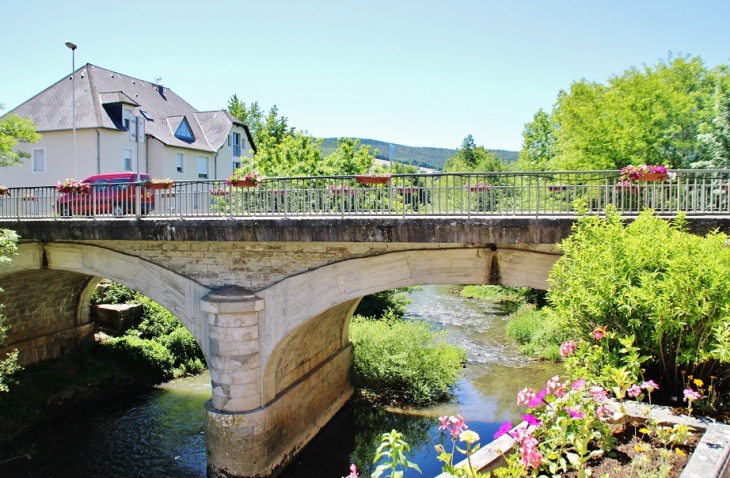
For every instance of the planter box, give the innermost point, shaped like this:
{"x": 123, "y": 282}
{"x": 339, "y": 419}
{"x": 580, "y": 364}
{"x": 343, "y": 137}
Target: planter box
{"x": 4, "y": 192}
{"x": 242, "y": 184}
{"x": 480, "y": 188}
{"x": 158, "y": 185}
{"x": 217, "y": 192}
{"x": 653, "y": 177}
{"x": 709, "y": 459}
{"x": 372, "y": 179}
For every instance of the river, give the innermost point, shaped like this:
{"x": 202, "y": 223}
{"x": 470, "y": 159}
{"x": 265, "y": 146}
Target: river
{"x": 161, "y": 432}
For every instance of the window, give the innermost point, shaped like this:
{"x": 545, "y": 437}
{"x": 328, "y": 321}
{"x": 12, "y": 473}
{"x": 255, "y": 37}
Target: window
{"x": 179, "y": 162}
{"x": 236, "y": 165}
{"x": 202, "y": 167}
{"x": 184, "y": 132}
{"x": 236, "y": 145}
{"x": 127, "y": 159}
{"x": 127, "y": 116}
{"x": 39, "y": 160}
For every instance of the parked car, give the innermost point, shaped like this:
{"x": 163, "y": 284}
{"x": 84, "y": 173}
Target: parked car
{"x": 110, "y": 193}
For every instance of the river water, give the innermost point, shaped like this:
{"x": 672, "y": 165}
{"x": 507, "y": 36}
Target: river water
{"x": 161, "y": 432}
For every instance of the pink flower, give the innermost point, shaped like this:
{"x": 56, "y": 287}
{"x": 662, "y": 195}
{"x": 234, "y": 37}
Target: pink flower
{"x": 531, "y": 420}
{"x": 598, "y": 393}
{"x": 525, "y": 395}
{"x": 691, "y": 395}
{"x": 634, "y": 391}
{"x": 506, "y": 427}
{"x": 599, "y": 332}
{"x": 603, "y": 413}
{"x": 650, "y": 385}
{"x": 555, "y": 387}
{"x": 567, "y": 348}
{"x": 578, "y": 384}
{"x": 454, "y": 425}
{"x": 538, "y": 399}
{"x": 353, "y": 472}
{"x": 573, "y": 413}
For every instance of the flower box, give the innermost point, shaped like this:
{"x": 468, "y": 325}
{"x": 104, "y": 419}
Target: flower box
{"x": 242, "y": 183}
{"x": 151, "y": 185}
{"x": 558, "y": 188}
{"x": 367, "y": 179}
{"x": 4, "y": 192}
{"x": 480, "y": 188}
{"x": 29, "y": 197}
{"x": 71, "y": 186}
{"x": 407, "y": 189}
{"x": 652, "y": 177}
{"x": 217, "y": 192}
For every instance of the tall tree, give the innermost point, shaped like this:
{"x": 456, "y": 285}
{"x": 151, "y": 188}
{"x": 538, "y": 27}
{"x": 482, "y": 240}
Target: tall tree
{"x": 470, "y": 157}
{"x": 14, "y": 129}
{"x": 650, "y": 115}
{"x": 714, "y": 142}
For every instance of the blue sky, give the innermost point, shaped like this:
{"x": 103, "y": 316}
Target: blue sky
{"x": 420, "y": 73}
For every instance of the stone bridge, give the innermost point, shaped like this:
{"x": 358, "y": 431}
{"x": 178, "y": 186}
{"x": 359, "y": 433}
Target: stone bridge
{"x": 268, "y": 301}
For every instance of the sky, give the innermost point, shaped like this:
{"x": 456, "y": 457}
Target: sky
{"x": 417, "y": 73}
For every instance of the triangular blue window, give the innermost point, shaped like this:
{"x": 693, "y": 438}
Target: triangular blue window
{"x": 184, "y": 132}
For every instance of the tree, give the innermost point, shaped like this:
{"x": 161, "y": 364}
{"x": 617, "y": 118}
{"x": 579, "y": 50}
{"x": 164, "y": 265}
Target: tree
{"x": 14, "y": 129}
{"x": 714, "y": 142}
{"x": 471, "y": 157}
{"x": 284, "y": 151}
{"x": 9, "y": 365}
{"x": 650, "y": 115}
{"x": 538, "y": 145}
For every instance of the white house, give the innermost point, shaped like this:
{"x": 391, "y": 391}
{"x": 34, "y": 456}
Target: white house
{"x": 180, "y": 142}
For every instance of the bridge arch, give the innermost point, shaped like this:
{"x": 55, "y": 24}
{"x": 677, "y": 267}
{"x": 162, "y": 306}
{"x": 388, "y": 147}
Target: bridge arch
{"x": 307, "y": 315}
{"x": 71, "y": 271}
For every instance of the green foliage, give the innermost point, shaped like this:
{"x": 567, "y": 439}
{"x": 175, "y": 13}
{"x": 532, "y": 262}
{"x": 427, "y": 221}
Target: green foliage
{"x": 714, "y": 141}
{"x": 378, "y": 304}
{"x": 150, "y": 356}
{"x": 12, "y": 130}
{"x": 9, "y": 363}
{"x": 403, "y": 361}
{"x": 651, "y": 115}
{"x": 108, "y": 292}
{"x": 537, "y": 331}
{"x": 471, "y": 157}
{"x": 189, "y": 359}
{"x": 392, "y": 451}
{"x": 652, "y": 280}
{"x": 157, "y": 322}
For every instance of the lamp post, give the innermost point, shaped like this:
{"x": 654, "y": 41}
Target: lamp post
{"x": 72, "y": 46}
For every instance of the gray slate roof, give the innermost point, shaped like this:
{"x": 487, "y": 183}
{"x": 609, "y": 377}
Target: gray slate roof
{"x": 51, "y": 109}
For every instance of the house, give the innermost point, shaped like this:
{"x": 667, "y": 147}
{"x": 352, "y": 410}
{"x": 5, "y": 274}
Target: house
{"x": 179, "y": 142}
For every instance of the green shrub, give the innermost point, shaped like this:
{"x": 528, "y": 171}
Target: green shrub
{"x": 108, "y": 292}
{"x": 150, "y": 356}
{"x": 156, "y": 320}
{"x": 403, "y": 361}
{"x": 188, "y": 356}
{"x": 378, "y": 304}
{"x": 537, "y": 331}
{"x": 655, "y": 281}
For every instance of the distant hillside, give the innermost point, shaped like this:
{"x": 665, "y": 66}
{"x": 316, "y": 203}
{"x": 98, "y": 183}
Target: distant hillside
{"x": 420, "y": 156}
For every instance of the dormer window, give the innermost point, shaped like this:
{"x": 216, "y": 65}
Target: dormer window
{"x": 184, "y": 132}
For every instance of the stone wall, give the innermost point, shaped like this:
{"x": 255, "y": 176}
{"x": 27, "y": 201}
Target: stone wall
{"x": 41, "y": 308}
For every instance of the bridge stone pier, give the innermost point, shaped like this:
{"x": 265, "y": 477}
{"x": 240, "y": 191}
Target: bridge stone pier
{"x": 268, "y": 301}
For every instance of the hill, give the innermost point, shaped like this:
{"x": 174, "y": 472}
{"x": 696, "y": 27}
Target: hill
{"x": 420, "y": 156}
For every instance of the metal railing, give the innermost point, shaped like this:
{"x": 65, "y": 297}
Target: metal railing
{"x": 694, "y": 192}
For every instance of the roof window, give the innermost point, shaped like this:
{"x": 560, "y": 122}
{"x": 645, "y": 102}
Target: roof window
{"x": 184, "y": 132}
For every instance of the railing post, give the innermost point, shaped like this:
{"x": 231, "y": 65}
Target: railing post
{"x": 286, "y": 200}
{"x": 137, "y": 200}
{"x": 537, "y": 197}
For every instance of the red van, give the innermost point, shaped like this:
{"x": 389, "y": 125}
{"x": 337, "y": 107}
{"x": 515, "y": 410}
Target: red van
{"x": 111, "y": 193}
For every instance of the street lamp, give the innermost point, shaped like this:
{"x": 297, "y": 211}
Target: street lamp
{"x": 72, "y": 46}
